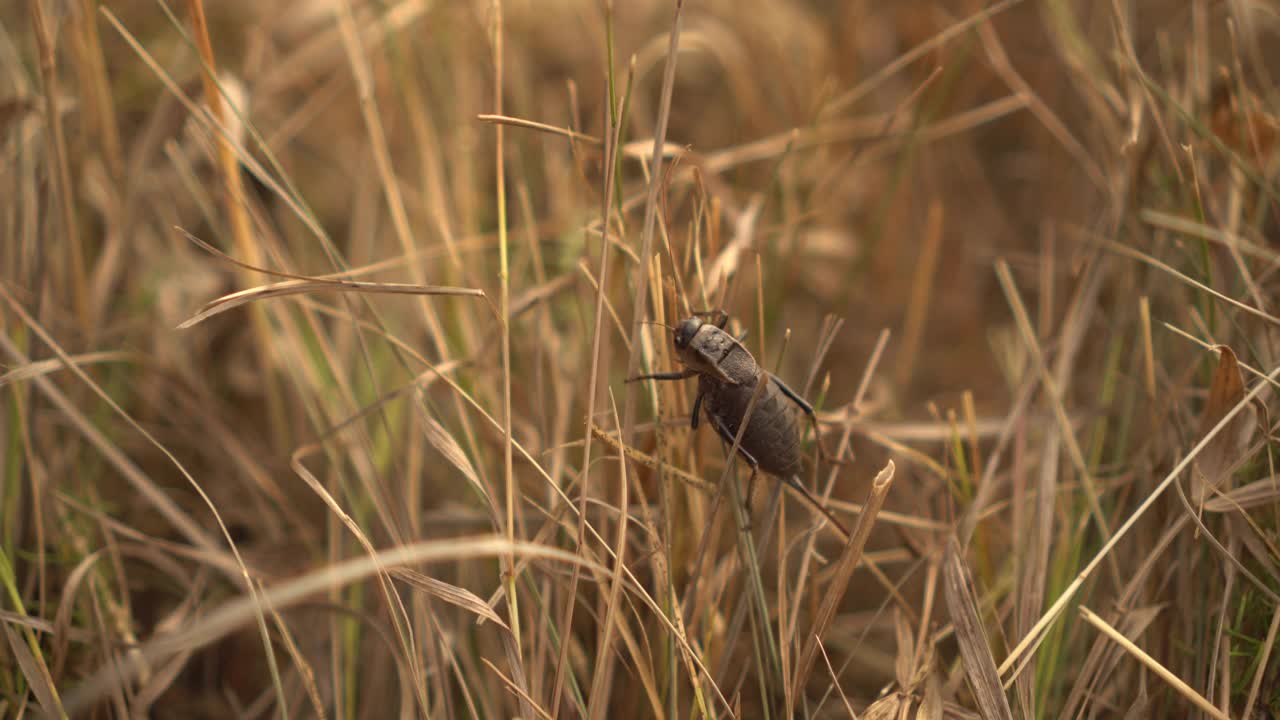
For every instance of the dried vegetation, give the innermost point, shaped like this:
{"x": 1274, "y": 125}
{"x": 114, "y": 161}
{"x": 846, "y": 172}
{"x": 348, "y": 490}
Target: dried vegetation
{"x": 315, "y": 317}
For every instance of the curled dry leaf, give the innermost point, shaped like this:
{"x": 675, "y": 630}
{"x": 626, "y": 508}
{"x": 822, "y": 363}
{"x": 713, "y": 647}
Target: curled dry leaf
{"x": 1214, "y": 465}
{"x": 889, "y": 707}
{"x": 1240, "y": 119}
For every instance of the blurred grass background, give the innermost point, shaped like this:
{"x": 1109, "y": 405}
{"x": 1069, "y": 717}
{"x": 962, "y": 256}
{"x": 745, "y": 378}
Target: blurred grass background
{"x": 1003, "y": 245}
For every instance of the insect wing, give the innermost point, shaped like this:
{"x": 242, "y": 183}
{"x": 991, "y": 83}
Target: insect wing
{"x": 710, "y": 347}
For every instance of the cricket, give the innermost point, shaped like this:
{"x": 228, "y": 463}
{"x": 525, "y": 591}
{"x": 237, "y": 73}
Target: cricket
{"x": 727, "y": 378}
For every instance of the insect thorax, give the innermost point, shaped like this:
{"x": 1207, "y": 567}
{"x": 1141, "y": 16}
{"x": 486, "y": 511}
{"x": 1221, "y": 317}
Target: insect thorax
{"x": 716, "y": 353}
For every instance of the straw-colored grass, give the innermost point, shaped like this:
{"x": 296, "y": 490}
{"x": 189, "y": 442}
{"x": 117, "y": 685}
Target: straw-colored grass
{"x": 316, "y": 321}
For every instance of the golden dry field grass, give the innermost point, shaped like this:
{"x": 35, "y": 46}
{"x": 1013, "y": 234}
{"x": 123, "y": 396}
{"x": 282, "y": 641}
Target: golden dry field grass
{"x": 320, "y": 322}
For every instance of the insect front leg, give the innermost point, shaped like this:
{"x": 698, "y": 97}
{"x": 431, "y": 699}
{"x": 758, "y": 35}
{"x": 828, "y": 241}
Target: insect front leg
{"x": 697, "y": 409}
{"x": 813, "y": 418}
{"x": 682, "y": 375}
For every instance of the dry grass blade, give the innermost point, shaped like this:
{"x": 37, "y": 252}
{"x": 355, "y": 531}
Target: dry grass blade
{"x": 1267, "y": 646}
{"x": 1100, "y": 662}
{"x": 56, "y": 144}
{"x": 1000, "y": 61}
{"x": 844, "y": 572}
{"x": 902, "y": 61}
{"x": 160, "y": 682}
{"x": 1166, "y": 268}
{"x": 649, "y": 461}
{"x": 1231, "y": 556}
{"x": 921, "y": 292}
{"x": 1186, "y": 226}
{"x": 1259, "y": 493}
{"x": 656, "y": 181}
{"x": 1161, "y": 671}
{"x": 535, "y": 295}
{"x": 236, "y": 613}
{"x": 614, "y": 618}
{"x": 932, "y": 706}
{"x": 36, "y": 673}
{"x": 904, "y": 659}
{"x": 979, "y": 664}
{"x": 45, "y": 367}
{"x": 446, "y": 445}
{"x": 1068, "y": 433}
{"x": 301, "y": 287}
{"x": 836, "y": 681}
{"x": 516, "y": 689}
{"x": 540, "y": 127}
{"x": 598, "y": 364}
{"x": 36, "y": 624}
{"x": 1035, "y": 635}
{"x": 303, "y": 667}
{"x": 141, "y": 483}
{"x": 1124, "y": 169}
{"x": 451, "y": 594}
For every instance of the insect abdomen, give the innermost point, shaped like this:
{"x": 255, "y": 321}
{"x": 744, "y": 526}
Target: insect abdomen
{"x": 772, "y": 438}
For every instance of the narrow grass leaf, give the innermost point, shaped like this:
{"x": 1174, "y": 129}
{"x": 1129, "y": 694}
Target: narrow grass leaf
{"x": 159, "y": 682}
{"x": 36, "y": 674}
{"x": 444, "y": 444}
{"x": 37, "y": 624}
{"x": 452, "y": 594}
{"x": 843, "y": 573}
{"x": 979, "y": 664}
{"x": 44, "y": 367}
{"x": 302, "y": 287}
{"x": 1152, "y": 664}
{"x": 1259, "y": 493}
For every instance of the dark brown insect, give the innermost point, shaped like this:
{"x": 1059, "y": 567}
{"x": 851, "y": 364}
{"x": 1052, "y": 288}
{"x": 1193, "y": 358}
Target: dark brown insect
{"x": 727, "y": 378}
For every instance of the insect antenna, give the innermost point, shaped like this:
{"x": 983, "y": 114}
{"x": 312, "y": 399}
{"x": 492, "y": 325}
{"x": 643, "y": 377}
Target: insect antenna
{"x": 655, "y": 322}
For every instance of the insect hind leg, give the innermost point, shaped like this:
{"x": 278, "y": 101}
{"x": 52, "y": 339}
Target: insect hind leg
{"x": 816, "y": 504}
{"x": 791, "y": 480}
{"x": 728, "y": 436}
{"x": 813, "y": 418}
{"x": 723, "y": 431}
